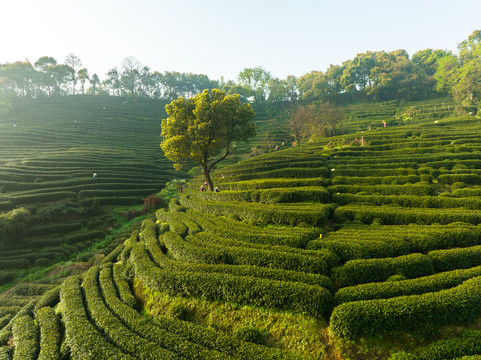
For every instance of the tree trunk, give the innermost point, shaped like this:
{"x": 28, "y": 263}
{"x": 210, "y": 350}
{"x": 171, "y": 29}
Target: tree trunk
{"x": 208, "y": 180}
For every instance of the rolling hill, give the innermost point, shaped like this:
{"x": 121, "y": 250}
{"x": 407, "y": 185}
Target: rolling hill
{"x": 336, "y": 249}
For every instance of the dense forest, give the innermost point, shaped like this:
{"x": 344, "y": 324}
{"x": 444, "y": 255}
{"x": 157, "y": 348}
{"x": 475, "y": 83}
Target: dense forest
{"x": 370, "y": 76}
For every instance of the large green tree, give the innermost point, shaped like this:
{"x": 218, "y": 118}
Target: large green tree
{"x": 205, "y": 129}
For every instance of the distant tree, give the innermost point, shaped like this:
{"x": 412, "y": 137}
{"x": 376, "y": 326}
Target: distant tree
{"x": 131, "y": 70}
{"x": 427, "y": 59}
{"x": 83, "y": 76}
{"x": 59, "y": 76}
{"x": 326, "y": 120}
{"x": 277, "y": 90}
{"x": 256, "y": 79}
{"x": 461, "y": 76}
{"x": 18, "y": 78}
{"x": 300, "y": 123}
{"x": 73, "y": 61}
{"x": 205, "y": 129}
{"x": 113, "y": 81}
{"x": 446, "y": 66}
{"x": 94, "y": 82}
{"x": 313, "y": 86}
{"x": 291, "y": 88}
{"x": 45, "y": 79}
{"x": 44, "y": 62}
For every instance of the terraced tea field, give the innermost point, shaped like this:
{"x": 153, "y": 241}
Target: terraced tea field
{"x": 329, "y": 250}
{"x": 50, "y": 150}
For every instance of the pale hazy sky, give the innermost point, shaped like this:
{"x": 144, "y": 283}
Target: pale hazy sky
{"x": 222, "y": 37}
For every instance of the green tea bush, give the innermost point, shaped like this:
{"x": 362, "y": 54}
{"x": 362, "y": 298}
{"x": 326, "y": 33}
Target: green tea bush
{"x": 146, "y": 328}
{"x": 298, "y": 173}
{"x": 233, "y": 229}
{"x": 25, "y": 336}
{"x": 125, "y": 339}
{"x": 50, "y": 298}
{"x": 286, "y": 214}
{"x": 418, "y": 189}
{"x": 375, "y": 180}
{"x": 451, "y": 259}
{"x": 14, "y": 264}
{"x": 271, "y": 196}
{"x": 449, "y": 179}
{"x": 6, "y": 277}
{"x": 82, "y": 337}
{"x": 405, "y": 313}
{"x": 460, "y": 347}
{"x": 310, "y": 299}
{"x": 420, "y": 285}
{"x": 123, "y": 286}
{"x": 367, "y": 249}
{"x": 251, "y": 334}
{"x": 241, "y": 270}
{"x": 50, "y": 334}
{"x": 399, "y": 216}
{"x": 320, "y": 262}
{"x": 361, "y": 271}
{"x": 258, "y": 184}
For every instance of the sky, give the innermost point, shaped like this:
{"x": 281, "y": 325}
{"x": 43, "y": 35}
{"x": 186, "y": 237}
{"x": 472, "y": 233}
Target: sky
{"x": 222, "y": 37}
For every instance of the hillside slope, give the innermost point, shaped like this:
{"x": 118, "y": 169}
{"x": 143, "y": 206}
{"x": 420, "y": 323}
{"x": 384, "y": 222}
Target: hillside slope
{"x": 335, "y": 249}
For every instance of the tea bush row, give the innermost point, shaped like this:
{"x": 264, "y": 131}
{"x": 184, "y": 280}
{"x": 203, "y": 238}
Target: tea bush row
{"x": 83, "y": 338}
{"x": 405, "y": 313}
{"x": 125, "y": 339}
{"x": 421, "y": 285}
{"x": 50, "y": 333}
{"x": 258, "y": 184}
{"x": 187, "y": 251}
{"x": 310, "y": 299}
{"x": 374, "y": 180}
{"x": 297, "y": 173}
{"x": 361, "y": 271}
{"x": 399, "y": 216}
{"x": 26, "y": 338}
{"x": 418, "y": 189}
{"x": 238, "y": 270}
{"x": 460, "y": 347}
{"x": 361, "y": 241}
{"x": 291, "y": 214}
{"x": 271, "y": 196}
{"x": 145, "y": 328}
{"x": 472, "y": 203}
{"x": 350, "y": 249}
{"x": 229, "y": 228}
{"x": 254, "y": 166}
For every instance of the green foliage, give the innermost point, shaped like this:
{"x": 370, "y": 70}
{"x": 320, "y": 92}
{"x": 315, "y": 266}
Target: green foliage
{"x": 299, "y": 297}
{"x": 452, "y": 306}
{"x": 285, "y": 214}
{"x": 391, "y": 288}
{"x": 83, "y": 338}
{"x": 25, "y": 336}
{"x": 459, "y": 347}
{"x": 50, "y": 334}
{"x": 11, "y": 223}
{"x": 370, "y": 270}
{"x": 205, "y": 129}
{"x": 251, "y": 334}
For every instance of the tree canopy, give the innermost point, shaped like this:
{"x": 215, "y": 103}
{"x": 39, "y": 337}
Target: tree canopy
{"x": 205, "y": 129}
{"x": 369, "y": 76}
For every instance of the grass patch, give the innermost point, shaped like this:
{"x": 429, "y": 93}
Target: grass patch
{"x": 284, "y": 330}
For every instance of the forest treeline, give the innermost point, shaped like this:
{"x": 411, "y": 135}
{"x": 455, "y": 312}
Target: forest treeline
{"x": 373, "y": 75}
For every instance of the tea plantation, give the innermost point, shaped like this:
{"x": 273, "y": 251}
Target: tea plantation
{"x": 336, "y": 249}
